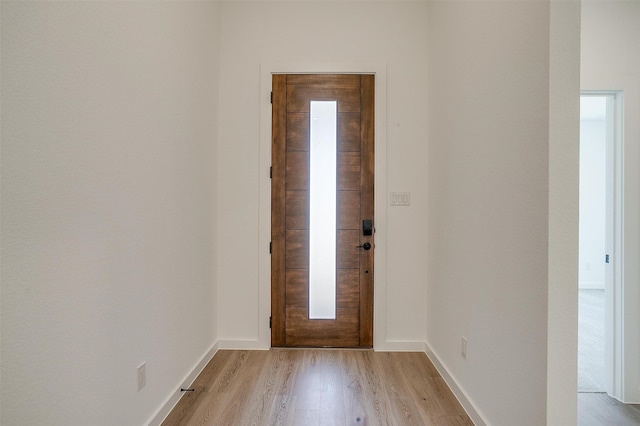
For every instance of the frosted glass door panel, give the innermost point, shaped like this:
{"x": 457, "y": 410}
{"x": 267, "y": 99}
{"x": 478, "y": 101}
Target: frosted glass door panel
{"x": 322, "y": 209}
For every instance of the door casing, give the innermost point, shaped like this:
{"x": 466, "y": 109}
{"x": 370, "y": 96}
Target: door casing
{"x": 263, "y": 340}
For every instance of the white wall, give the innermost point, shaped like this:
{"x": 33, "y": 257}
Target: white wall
{"x": 334, "y": 35}
{"x": 563, "y": 253}
{"x": 130, "y": 218}
{"x": 489, "y": 110}
{"x": 490, "y": 207}
{"x": 610, "y": 60}
{"x": 108, "y": 145}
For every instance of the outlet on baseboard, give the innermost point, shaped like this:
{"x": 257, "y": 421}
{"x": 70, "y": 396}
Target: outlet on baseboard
{"x": 463, "y": 349}
{"x": 142, "y": 375}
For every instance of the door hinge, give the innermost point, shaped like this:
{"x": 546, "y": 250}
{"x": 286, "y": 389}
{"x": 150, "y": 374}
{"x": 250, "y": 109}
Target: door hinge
{"x": 606, "y": 258}
{"x": 270, "y": 322}
{"x": 270, "y": 247}
{"x": 271, "y": 97}
{"x": 271, "y": 172}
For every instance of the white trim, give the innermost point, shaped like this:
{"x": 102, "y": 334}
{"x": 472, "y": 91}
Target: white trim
{"x": 238, "y": 344}
{"x": 174, "y": 398}
{"x": 400, "y": 346}
{"x": 476, "y": 417}
{"x": 617, "y": 251}
{"x": 380, "y": 256}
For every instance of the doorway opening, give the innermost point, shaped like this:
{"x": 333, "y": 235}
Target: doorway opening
{"x": 600, "y": 346}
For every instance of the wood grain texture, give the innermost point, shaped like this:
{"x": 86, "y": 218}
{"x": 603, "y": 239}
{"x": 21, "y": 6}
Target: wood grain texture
{"x": 297, "y": 288}
{"x": 318, "y": 387}
{"x": 297, "y": 171}
{"x": 367, "y": 209}
{"x": 298, "y": 132}
{"x": 290, "y": 235}
{"x": 348, "y": 206}
{"x": 341, "y": 332}
{"x": 297, "y": 249}
{"x": 349, "y": 132}
{"x": 599, "y": 409}
{"x": 348, "y": 282}
{"x": 297, "y": 209}
{"x": 348, "y": 171}
{"x": 278, "y": 171}
{"x": 323, "y": 87}
{"x": 348, "y": 253}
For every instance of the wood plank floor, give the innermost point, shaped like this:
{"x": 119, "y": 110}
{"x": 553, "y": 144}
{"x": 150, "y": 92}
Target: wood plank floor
{"x": 318, "y": 387}
{"x": 599, "y": 409}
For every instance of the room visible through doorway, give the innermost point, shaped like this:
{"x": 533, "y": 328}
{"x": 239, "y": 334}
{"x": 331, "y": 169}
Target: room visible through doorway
{"x": 600, "y": 251}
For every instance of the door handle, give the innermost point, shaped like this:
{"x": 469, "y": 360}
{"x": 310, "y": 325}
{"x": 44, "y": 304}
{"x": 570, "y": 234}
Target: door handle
{"x": 366, "y": 246}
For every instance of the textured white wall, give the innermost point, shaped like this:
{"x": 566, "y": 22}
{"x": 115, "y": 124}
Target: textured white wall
{"x": 108, "y": 143}
{"x": 255, "y": 33}
{"x": 489, "y": 202}
{"x": 610, "y": 60}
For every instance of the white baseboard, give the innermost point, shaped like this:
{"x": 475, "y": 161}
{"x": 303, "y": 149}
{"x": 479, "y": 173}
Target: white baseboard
{"x": 468, "y": 406}
{"x": 399, "y": 346}
{"x": 251, "y": 345}
{"x": 173, "y": 399}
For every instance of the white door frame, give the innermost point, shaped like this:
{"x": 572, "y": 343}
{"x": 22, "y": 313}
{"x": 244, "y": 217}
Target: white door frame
{"x": 380, "y": 255}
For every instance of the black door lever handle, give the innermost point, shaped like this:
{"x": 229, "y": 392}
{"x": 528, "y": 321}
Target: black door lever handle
{"x": 366, "y": 246}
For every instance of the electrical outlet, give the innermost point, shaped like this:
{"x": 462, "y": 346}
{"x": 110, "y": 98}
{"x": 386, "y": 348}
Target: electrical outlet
{"x": 142, "y": 375}
{"x": 464, "y": 348}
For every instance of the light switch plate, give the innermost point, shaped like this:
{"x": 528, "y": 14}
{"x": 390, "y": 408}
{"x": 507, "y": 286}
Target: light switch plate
{"x": 400, "y": 199}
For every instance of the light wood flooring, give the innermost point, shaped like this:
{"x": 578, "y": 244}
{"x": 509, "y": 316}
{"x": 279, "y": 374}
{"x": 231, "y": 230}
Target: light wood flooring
{"x": 319, "y": 387}
{"x": 599, "y": 409}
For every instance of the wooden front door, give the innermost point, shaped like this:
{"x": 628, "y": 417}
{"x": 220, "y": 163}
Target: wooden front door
{"x": 354, "y": 239}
